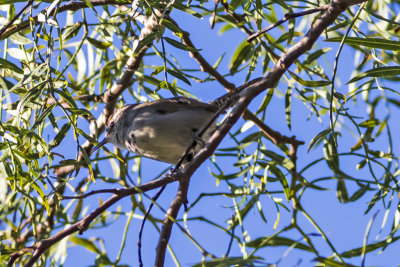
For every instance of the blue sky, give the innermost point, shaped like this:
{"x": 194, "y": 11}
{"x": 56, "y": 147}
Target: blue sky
{"x": 344, "y": 224}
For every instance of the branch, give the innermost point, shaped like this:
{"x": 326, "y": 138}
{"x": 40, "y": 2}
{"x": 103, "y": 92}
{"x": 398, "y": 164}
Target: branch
{"x": 72, "y": 6}
{"x": 81, "y": 226}
{"x": 286, "y": 18}
{"x": 248, "y": 92}
{"x": 15, "y": 18}
{"x": 110, "y": 97}
{"x": 275, "y": 136}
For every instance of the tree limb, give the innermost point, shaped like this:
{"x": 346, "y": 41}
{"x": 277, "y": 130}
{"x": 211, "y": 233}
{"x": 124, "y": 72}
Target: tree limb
{"x": 248, "y": 92}
{"x": 40, "y": 247}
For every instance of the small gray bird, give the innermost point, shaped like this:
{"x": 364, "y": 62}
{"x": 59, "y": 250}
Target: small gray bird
{"x": 161, "y": 129}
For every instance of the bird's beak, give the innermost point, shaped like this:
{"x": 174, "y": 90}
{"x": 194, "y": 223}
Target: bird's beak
{"x": 105, "y": 141}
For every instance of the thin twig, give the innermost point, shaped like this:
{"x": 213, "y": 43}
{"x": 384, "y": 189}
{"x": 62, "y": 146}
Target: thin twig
{"x": 15, "y": 18}
{"x": 40, "y": 247}
{"x": 232, "y": 236}
{"x": 365, "y": 241}
{"x": 153, "y": 201}
{"x": 287, "y": 17}
{"x": 250, "y": 91}
{"x": 72, "y": 6}
{"x": 332, "y": 124}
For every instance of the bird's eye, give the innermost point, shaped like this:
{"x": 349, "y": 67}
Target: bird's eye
{"x": 110, "y": 127}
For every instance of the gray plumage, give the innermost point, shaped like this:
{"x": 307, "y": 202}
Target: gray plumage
{"x": 161, "y": 129}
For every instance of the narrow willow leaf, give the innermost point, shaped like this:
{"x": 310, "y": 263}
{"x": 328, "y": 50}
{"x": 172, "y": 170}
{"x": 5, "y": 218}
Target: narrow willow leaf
{"x": 71, "y": 30}
{"x": 318, "y": 138}
{"x": 89, "y": 165}
{"x": 5, "y": 64}
{"x": 359, "y": 193}
{"x": 241, "y": 55}
{"x": 341, "y": 191}
{"x": 276, "y": 241}
{"x": 99, "y": 44}
{"x": 20, "y": 39}
{"x": 280, "y": 160}
{"x": 179, "y": 75}
{"x": 77, "y": 211}
{"x": 332, "y": 263}
{"x": 288, "y": 107}
{"x": 309, "y": 83}
{"x": 372, "y": 203}
{"x": 43, "y": 116}
{"x": 330, "y": 154}
{"x": 370, "y": 123}
{"x": 60, "y": 135}
{"x": 89, "y": 4}
{"x": 266, "y": 100}
{"x": 368, "y": 42}
{"x": 231, "y": 176}
{"x": 371, "y": 247}
{"x": 187, "y": 10}
{"x": 171, "y": 26}
{"x": 37, "y": 188}
{"x": 377, "y": 72}
{"x": 249, "y": 205}
{"x": 68, "y": 98}
{"x": 278, "y": 173}
{"x": 232, "y": 261}
{"x": 314, "y": 56}
{"x": 179, "y": 45}
{"x": 146, "y": 41}
{"x": 234, "y": 4}
{"x": 85, "y": 243}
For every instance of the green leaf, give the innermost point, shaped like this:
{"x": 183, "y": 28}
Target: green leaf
{"x": 234, "y": 4}
{"x": 43, "y": 116}
{"x": 187, "y": 10}
{"x": 99, "y": 44}
{"x": 359, "y": 193}
{"x": 288, "y": 105}
{"x": 87, "y": 160}
{"x": 179, "y": 75}
{"x": 172, "y": 27}
{"x": 341, "y": 191}
{"x": 89, "y": 4}
{"x": 371, "y": 247}
{"x": 331, "y": 262}
{"x": 85, "y": 243}
{"x": 5, "y": 64}
{"x": 179, "y": 45}
{"x": 60, "y": 135}
{"x": 278, "y": 173}
{"x": 20, "y": 39}
{"x": 369, "y": 42}
{"x": 147, "y": 40}
{"x": 370, "y": 123}
{"x": 280, "y": 160}
{"x": 266, "y": 100}
{"x": 377, "y": 72}
{"x": 71, "y": 30}
{"x": 318, "y": 138}
{"x": 310, "y": 58}
{"x": 277, "y": 241}
{"x": 224, "y": 262}
{"x": 331, "y": 155}
{"x": 374, "y": 200}
{"x": 231, "y": 176}
{"x": 242, "y": 54}
{"x": 309, "y": 83}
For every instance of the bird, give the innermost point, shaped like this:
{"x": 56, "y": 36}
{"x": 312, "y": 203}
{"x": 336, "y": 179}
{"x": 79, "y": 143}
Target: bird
{"x": 162, "y": 129}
